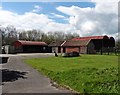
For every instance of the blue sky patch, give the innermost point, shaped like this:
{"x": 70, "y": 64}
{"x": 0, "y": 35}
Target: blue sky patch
{"x": 47, "y": 8}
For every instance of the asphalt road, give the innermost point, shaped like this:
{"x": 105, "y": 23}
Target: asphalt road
{"x": 21, "y": 78}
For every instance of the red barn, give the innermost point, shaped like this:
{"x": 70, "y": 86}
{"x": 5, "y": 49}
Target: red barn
{"x": 29, "y": 46}
{"x": 91, "y": 44}
{"x": 101, "y": 43}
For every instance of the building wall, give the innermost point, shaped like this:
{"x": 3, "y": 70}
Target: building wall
{"x": 91, "y": 48}
{"x": 34, "y": 49}
{"x": 31, "y": 49}
{"x": 62, "y": 50}
{"x": 54, "y": 49}
{"x": 83, "y": 49}
{"x": 72, "y": 49}
{"x": 17, "y": 44}
{"x": 18, "y": 49}
{"x": 9, "y": 49}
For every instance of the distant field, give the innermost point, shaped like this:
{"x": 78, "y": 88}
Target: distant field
{"x": 84, "y": 74}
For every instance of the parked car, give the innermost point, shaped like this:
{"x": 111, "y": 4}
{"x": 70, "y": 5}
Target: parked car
{"x": 72, "y": 54}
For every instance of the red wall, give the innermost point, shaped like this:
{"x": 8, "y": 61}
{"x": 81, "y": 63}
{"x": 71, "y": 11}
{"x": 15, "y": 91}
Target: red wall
{"x": 17, "y": 44}
{"x": 71, "y": 49}
{"x": 82, "y": 49}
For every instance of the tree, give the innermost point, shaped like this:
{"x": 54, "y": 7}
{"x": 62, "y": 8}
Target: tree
{"x": 10, "y": 35}
{"x": 37, "y": 34}
{"x": 23, "y": 36}
{"x": 3, "y": 35}
{"x": 70, "y": 36}
{"x": 118, "y": 44}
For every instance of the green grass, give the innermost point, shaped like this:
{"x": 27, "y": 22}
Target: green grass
{"x": 85, "y": 74}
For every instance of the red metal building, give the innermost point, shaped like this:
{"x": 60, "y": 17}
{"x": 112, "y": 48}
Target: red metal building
{"x": 30, "y": 46}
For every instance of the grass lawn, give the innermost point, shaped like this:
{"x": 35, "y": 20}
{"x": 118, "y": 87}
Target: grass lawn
{"x": 84, "y": 74}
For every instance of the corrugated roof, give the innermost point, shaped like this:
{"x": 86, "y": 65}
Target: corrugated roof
{"x": 31, "y": 42}
{"x": 90, "y": 37}
{"x": 55, "y": 43}
{"x": 76, "y": 43}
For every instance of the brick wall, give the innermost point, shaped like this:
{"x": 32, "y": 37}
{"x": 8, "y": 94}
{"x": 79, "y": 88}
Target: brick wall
{"x": 83, "y": 49}
{"x": 71, "y": 49}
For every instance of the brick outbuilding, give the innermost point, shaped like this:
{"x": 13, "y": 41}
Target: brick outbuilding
{"x": 86, "y": 46}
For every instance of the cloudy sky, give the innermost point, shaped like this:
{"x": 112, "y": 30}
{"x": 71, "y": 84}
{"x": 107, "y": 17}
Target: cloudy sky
{"x": 85, "y": 18}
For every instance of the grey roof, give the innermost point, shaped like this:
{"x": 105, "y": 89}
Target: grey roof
{"x": 55, "y": 43}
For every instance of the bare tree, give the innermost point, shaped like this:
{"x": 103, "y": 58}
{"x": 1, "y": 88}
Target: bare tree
{"x": 70, "y": 36}
{"x": 11, "y": 33}
{"x": 23, "y": 36}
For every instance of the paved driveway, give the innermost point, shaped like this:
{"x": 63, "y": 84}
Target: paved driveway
{"x": 21, "y": 78}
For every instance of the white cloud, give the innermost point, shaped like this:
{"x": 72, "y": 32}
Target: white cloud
{"x": 104, "y": 1}
{"x": 30, "y": 20}
{"x": 37, "y": 8}
{"x": 107, "y": 7}
{"x": 26, "y": 21}
{"x": 100, "y": 20}
{"x": 65, "y": 10}
{"x": 57, "y": 15}
{"x": 53, "y": 26}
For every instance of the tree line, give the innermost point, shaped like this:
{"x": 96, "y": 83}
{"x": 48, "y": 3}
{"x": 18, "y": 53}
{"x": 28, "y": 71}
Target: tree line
{"x": 11, "y": 34}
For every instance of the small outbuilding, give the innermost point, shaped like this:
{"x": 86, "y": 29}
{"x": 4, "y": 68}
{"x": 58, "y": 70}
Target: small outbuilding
{"x": 30, "y": 47}
{"x": 86, "y": 46}
{"x": 56, "y": 46}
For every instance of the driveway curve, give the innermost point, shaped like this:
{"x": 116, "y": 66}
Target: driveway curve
{"x": 18, "y": 77}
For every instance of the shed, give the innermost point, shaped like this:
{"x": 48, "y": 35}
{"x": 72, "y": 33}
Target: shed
{"x": 56, "y": 46}
{"x": 29, "y": 46}
{"x": 79, "y": 46}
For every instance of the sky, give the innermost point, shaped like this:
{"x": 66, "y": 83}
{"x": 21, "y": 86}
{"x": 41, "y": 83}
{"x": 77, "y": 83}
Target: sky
{"x": 85, "y": 18}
